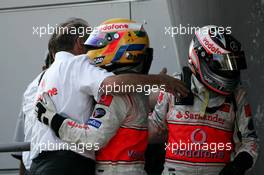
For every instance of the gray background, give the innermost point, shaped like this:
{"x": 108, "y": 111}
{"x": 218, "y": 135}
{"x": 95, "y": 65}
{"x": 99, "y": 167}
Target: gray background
{"x": 22, "y": 53}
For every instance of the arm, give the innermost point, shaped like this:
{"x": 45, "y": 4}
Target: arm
{"x": 157, "y": 120}
{"x": 19, "y": 137}
{"x": 166, "y": 82}
{"x": 96, "y": 81}
{"x": 19, "y": 133}
{"x": 107, "y": 117}
{"x": 245, "y": 138}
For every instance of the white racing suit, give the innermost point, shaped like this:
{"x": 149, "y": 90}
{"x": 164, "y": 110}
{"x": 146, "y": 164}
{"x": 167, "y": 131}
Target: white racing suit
{"x": 119, "y": 127}
{"x": 210, "y": 122}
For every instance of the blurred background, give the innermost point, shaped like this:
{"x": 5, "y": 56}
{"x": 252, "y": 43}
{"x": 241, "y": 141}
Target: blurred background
{"x": 23, "y": 50}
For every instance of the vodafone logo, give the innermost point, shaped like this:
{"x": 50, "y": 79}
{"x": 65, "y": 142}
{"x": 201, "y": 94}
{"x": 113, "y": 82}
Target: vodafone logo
{"x": 117, "y": 26}
{"x": 199, "y": 136}
{"x": 212, "y": 47}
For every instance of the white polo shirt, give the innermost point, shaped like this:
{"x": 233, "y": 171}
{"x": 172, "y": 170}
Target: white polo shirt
{"x": 24, "y": 123}
{"x": 73, "y": 83}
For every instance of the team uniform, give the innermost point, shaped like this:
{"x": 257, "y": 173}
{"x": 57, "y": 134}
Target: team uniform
{"x": 211, "y": 119}
{"x": 118, "y": 127}
{"x": 71, "y": 84}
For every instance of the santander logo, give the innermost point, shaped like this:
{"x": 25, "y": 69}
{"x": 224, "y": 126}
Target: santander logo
{"x": 188, "y": 115}
{"x": 212, "y": 47}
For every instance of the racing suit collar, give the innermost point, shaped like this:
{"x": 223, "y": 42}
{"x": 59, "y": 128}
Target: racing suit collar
{"x": 200, "y": 91}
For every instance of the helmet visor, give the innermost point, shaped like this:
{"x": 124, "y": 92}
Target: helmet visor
{"x": 96, "y": 39}
{"x": 104, "y": 34}
{"x": 229, "y": 62}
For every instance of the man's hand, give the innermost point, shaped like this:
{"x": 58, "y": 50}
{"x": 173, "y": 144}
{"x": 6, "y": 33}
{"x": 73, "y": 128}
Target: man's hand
{"x": 174, "y": 86}
{"x": 45, "y": 109}
{"x": 177, "y": 88}
{"x": 231, "y": 169}
{"x": 239, "y": 166}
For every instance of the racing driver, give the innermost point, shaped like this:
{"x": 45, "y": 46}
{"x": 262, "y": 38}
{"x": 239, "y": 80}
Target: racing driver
{"x": 211, "y": 131}
{"x": 119, "y": 123}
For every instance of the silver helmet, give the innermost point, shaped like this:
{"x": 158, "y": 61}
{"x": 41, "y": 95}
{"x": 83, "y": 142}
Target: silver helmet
{"x": 215, "y": 57}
